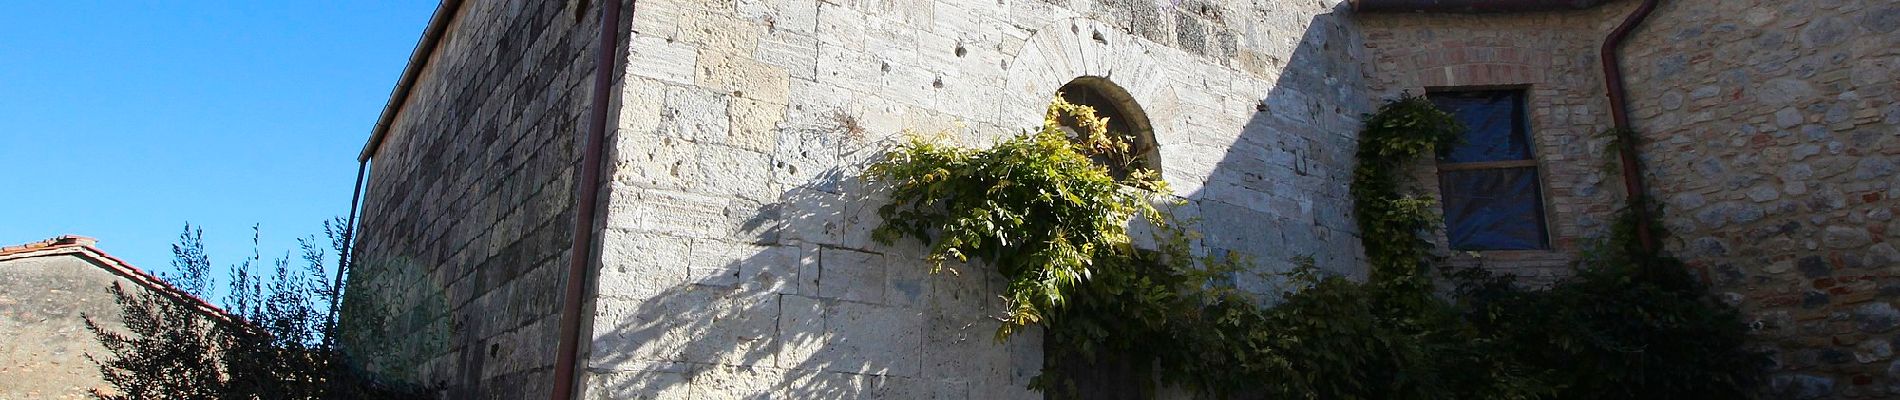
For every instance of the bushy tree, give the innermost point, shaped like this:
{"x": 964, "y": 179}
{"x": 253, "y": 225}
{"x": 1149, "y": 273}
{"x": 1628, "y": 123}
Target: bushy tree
{"x": 274, "y": 343}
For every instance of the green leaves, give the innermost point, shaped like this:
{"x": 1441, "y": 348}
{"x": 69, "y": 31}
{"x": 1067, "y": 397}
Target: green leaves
{"x": 1035, "y": 205}
{"x": 270, "y": 349}
{"x": 1053, "y": 221}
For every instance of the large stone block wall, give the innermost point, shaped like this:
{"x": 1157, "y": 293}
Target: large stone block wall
{"x": 1773, "y": 137}
{"x": 468, "y": 214}
{"x": 1552, "y": 57}
{"x": 736, "y": 260}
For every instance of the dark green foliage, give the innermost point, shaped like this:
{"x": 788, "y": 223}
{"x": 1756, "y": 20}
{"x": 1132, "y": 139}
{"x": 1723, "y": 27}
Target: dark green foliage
{"x": 271, "y": 346}
{"x": 1628, "y": 325}
{"x": 1631, "y": 323}
{"x": 1389, "y": 219}
{"x": 165, "y": 352}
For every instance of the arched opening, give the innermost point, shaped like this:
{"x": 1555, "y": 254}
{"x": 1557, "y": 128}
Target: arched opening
{"x": 1125, "y": 120}
{"x": 1103, "y": 375}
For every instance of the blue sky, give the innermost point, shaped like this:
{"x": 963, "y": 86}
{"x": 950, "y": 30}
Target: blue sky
{"x": 124, "y": 120}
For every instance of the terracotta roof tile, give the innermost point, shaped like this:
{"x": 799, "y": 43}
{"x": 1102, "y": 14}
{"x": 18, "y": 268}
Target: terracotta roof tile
{"x": 62, "y": 241}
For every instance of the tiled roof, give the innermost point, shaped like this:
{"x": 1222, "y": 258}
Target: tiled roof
{"x": 66, "y": 240}
{"x": 84, "y": 248}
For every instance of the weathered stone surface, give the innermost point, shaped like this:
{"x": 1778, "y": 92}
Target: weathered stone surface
{"x": 1872, "y": 351}
{"x": 468, "y": 215}
{"x": 740, "y": 127}
{"x": 1876, "y": 317}
{"x": 49, "y": 292}
{"x": 750, "y": 158}
{"x": 1801, "y": 386}
{"x": 851, "y": 275}
{"x": 1768, "y": 131}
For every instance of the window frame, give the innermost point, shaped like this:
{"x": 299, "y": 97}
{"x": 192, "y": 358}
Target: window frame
{"x": 1534, "y": 161}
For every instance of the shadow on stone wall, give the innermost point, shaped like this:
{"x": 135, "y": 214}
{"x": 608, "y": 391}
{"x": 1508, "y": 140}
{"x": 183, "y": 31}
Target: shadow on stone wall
{"x": 394, "y": 321}
{"x": 806, "y": 306}
{"x": 1281, "y": 190}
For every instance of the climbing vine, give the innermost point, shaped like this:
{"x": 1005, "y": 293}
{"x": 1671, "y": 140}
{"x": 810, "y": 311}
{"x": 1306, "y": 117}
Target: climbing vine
{"x": 1040, "y": 209}
{"x": 1035, "y": 206}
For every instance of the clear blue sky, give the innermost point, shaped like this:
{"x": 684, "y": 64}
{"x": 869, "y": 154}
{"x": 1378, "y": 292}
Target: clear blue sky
{"x": 124, "y": 120}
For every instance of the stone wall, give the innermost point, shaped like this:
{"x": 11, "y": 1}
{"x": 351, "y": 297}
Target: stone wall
{"x": 736, "y": 260}
{"x": 468, "y": 214}
{"x": 1551, "y": 56}
{"x": 49, "y": 290}
{"x": 1773, "y": 136}
{"x": 43, "y": 305}
{"x": 1770, "y": 138}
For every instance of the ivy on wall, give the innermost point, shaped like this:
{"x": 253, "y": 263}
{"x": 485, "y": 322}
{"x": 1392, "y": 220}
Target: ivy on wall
{"x": 1056, "y": 225}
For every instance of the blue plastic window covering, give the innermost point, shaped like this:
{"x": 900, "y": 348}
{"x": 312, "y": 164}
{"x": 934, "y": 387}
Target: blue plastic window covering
{"x": 1494, "y": 126}
{"x": 1491, "y": 207}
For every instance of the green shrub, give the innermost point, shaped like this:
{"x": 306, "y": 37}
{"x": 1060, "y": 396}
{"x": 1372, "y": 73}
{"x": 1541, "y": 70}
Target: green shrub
{"x": 1631, "y": 324}
{"x": 1628, "y": 325}
{"x": 274, "y": 346}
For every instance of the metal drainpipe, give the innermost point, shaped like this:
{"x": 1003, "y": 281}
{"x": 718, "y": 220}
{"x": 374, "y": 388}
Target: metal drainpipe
{"x": 343, "y": 254}
{"x": 1612, "y": 77}
{"x": 1619, "y": 113}
{"x": 567, "y": 354}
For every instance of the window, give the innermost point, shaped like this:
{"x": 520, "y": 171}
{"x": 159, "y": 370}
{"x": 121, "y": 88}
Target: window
{"x": 1125, "y": 120}
{"x": 1107, "y": 376}
{"x": 1489, "y": 179}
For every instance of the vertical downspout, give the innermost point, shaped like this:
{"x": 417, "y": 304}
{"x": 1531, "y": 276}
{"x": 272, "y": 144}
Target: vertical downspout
{"x": 1626, "y": 135}
{"x": 567, "y": 354}
{"x": 343, "y": 254}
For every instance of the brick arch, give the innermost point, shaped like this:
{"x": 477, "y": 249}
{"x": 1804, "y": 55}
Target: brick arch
{"x": 1460, "y": 65}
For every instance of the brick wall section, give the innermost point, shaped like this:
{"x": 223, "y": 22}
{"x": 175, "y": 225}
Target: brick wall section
{"x": 1774, "y": 134}
{"x": 1552, "y": 57}
{"x": 737, "y": 262}
{"x": 468, "y": 214}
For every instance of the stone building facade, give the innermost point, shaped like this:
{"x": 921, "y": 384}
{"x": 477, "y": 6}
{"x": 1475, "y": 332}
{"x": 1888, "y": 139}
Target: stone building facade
{"x": 1769, "y": 135}
{"x": 1776, "y": 136}
{"x": 733, "y": 257}
{"x": 467, "y": 218}
{"x": 48, "y": 290}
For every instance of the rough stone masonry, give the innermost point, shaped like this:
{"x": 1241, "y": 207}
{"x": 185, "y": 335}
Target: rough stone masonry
{"x": 734, "y": 260}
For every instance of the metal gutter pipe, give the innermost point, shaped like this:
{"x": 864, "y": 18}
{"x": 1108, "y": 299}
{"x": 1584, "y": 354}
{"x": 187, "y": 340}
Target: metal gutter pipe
{"x": 567, "y": 353}
{"x": 1612, "y": 77}
{"x": 343, "y": 254}
{"x": 1626, "y": 135}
